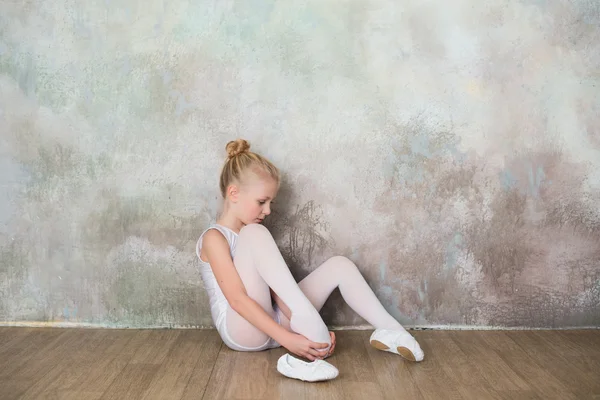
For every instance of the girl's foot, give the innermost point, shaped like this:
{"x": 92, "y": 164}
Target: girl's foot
{"x": 315, "y": 371}
{"x": 397, "y": 342}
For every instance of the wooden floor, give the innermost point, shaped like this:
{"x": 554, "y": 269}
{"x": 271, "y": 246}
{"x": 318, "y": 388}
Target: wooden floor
{"x": 44, "y": 363}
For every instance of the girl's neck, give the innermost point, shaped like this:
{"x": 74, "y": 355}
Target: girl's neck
{"x": 229, "y": 221}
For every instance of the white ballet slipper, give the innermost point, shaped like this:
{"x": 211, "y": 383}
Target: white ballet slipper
{"x": 315, "y": 371}
{"x": 397, "y": 342}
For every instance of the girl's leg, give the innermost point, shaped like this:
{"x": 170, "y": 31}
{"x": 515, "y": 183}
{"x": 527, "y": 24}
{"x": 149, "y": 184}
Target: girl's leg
{"x": 261, "y": 266}
{"x": 341, "y": 272}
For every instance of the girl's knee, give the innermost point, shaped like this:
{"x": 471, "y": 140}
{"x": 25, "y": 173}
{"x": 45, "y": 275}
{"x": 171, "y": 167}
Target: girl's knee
{"x": 254, "y": 230}
{"x": 343, "y": 264}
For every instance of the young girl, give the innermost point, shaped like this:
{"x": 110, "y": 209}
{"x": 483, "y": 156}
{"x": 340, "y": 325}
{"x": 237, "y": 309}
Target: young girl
{"x": 255, "y": 302}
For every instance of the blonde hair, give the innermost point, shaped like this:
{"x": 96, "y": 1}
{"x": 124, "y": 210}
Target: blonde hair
{"x": 240, "y": 161}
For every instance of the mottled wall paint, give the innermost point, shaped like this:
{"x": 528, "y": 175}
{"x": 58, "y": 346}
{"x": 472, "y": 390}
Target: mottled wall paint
{"x": 451, "y": 150}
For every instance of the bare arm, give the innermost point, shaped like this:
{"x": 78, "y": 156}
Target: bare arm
{"x": 216, "y": 250}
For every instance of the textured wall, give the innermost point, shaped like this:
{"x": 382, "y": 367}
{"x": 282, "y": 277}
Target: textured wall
{"x": 451, "y": 151}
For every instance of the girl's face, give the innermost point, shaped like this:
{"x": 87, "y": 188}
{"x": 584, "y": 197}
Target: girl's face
{"x": 255, "y": 198}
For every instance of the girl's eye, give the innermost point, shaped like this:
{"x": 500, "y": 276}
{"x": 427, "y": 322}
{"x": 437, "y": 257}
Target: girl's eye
{"x": 261, "y": 202}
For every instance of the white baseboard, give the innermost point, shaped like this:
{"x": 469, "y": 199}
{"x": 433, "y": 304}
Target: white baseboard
{"x": 86, "y": 325}
{"x": 465, "y": 328}
{"x": 62, "y": 324}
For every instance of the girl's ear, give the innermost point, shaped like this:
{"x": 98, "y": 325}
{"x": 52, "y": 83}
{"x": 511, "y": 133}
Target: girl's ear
{"x": 233, "y": 193}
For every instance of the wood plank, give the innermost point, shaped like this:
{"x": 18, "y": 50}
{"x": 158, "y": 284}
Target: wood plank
{"x": 15, "y": 350}
{"x": 582, "y": 357}
{"x": 9, "y": 337}
{"x": 357, "y": 379}
{"x": 102, "y": 359}
{"x": 29, "y": 359}
{"x": 492, "y": 367}
{"x": 239, "y": 375}
{"x": 92, "y": 364}
{"x": 584, "y": 345}
{"x": 556, "y": 363}
{"x": 125, "y": 345}
{"x": 49, "y": 362}
{"x": 156, "y": 344}
{"x": 428, "y": 374}
{"x": 540, "y": 380}
{"x": 75, "y": 395}
{"x": 49, "y": 357}
{"x": 53, "y": 367}
{"x": 517, "y": 395}
{"x": 12, "y": 389}
{"x": 198, "y": 382}
{"x": 22, "y": 351}
{"x": 95, "y": 379}
{"x": 394, "y": 373}
{"x": 190, "y": 349}
{"x": 93, "y": 368}
{"x": 462, "y": 371}
{"x": 132, "y": 382}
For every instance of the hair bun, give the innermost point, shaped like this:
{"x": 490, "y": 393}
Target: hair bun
{"x": 237, "y": 147}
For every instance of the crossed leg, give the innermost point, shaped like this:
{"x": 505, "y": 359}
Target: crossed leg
{"x": 266, "y": 276}
{"x": 340, "y": 272}
{"x": 261, "y": 268}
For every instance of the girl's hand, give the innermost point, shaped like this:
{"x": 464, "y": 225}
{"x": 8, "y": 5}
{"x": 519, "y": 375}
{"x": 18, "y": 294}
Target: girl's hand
{"x": 303, "y": 347}
{"x": 332, "y": 335}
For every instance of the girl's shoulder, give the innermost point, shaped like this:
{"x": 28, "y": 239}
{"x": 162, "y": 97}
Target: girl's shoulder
{"x": 212, "y": 234}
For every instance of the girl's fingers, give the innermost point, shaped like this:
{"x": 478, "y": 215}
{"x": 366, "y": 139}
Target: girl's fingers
{"x": 314, "y": 353}
{"x": 318, "y": 353}
{"x": 315, "y": 345}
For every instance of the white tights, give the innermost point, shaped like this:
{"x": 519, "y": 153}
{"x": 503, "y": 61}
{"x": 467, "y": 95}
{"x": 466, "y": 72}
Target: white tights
{"x": 262, "y": 268}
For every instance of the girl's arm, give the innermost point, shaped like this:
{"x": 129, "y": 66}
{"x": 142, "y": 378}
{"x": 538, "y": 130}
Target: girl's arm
{"x": 216, "y": 249}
